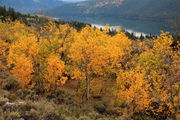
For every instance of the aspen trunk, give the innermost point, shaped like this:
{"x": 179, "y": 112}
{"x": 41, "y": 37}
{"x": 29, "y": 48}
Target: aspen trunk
{"x": 87, "y": 89}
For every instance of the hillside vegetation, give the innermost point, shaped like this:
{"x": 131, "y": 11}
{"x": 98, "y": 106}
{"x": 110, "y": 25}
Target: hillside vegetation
{"x": 56, "y": 72}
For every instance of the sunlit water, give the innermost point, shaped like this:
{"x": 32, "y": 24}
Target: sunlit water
{"x": 137, "y": 34}
{"x": 136, "y": 26}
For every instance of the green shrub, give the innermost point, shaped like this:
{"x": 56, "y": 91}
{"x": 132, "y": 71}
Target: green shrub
{"x": 3, "y": 100}
{"x": 84, "y": 118}
{"x": 31, "y": 115}
{"x": 27, "y": 94}
{"x": 48, "y": 110}
{"x": 4, "y": 93}
{"x": 101, "y": 107}
{"x": 10, "y": 83}
{"x": 94, "y": 115}
{"x": 51, "y": 116}
{"x": 60, "y": 97}
{"x": 13, "y": 116}
{"x": 1, "y": 114}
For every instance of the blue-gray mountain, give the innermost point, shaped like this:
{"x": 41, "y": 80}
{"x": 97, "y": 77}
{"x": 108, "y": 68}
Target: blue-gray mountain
{"x": 31, "y": 6}
{"x": 141, "y": 9}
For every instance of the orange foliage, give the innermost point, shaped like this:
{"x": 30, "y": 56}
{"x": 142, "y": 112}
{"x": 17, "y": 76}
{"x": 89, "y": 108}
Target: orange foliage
{"x": 133, "y": 89}
{"x": 155, "y": 80}
{"x": 95, "y": 52}
{"x": 140, "y": 72}
{"x": 55, "y": 69}
{"x": 23, "y": 70}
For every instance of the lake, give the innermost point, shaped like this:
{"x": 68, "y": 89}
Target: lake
{"x": 132, "y": 25}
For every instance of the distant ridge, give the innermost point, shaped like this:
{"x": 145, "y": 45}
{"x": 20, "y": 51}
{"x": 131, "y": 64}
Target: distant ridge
{"x": 137, "y": 9}
{"x": 31, "y": 6}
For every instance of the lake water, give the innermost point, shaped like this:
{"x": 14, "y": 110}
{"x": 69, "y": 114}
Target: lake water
{"x": 132, "y": 25}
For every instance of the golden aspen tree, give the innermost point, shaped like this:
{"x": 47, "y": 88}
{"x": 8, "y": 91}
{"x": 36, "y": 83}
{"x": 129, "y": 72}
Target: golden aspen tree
{"x": 133, "y": 89}
{"x": 37, "y": 52}
{"x": 50, "y": 40}
{"x": 23, "y": 48}
{"x": 118, "y": 49}
{"x": 158, "y": 65}
{"x": 154, "y": 76}
{"x": 49, "y": 43}
{"x": 174, "y": 85}
{"x": 51, "y": 46}
{"x": 83, "y": 52}
{"x": 162, "y": 49}
{"x": 67, "y": 34}
{"x": 11, "y": 31}
{"x": 94, "y": 53}
{"x": 55, "y": 69}
{"x": 49, "y": 32}
{"x": 154, "y": 73}
{"x": 23, "y": 70}
{"x": 4, "y": 34}
{"x": 26, "y": 45}
{"x": 155, "y": 69}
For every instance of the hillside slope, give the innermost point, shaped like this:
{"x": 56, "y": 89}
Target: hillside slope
{"x": 30, "y": 6}
{"x": 156, "y": 9}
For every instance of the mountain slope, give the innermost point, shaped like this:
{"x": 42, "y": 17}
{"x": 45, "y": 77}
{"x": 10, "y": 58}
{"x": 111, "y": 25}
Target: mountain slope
{"x": 161, "y": 9}
{"x": 30, "y": 6}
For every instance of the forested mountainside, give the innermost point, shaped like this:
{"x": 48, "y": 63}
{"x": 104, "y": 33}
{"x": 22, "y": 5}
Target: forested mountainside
{"x": 143, "y": 9}
{"x": 31, "y": 6}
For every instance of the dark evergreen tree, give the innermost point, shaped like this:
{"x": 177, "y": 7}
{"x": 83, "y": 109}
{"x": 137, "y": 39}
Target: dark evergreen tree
{"x": 141, "y": 37}
{"x": 9, "y": 13}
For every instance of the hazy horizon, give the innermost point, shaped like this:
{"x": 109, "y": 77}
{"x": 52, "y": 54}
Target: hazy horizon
{"x": 73, "y": 0}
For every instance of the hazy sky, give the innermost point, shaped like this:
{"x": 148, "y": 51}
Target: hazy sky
{"x": 66, "y": 0}
{"x": 74, "y": 0}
